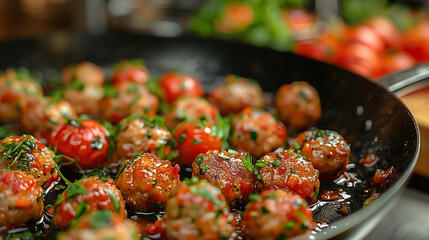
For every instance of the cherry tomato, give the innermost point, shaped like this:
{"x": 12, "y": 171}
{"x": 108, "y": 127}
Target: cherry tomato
{"x": 86, "y": 141}
{"x": 177, "y": 85}
{"x": 360, "y": 59}
{"x": 416, "y": 41}
{"x": 322, "y": 49}
{"x": 386, "y": 30}
{"x": 301, "y": 22}
{"x": 192, "y": 139}
{"x": 365, "y": 35}
{"x": 130, "y": 71}
{"x": 236, "y": 16}
{"x": 395, "y": 61}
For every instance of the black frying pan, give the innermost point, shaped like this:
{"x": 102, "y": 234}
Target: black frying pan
{"x": 370, "y": 118}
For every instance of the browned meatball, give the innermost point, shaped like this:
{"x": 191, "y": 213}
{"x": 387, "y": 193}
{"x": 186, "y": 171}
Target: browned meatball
{"x": 231, "y": 172}
{"x": 101, "y": 225}
{"x": 42, "y": 115}
{"x": 28, "y": 154}
{"x": 84, "y": 98}
{"x": 138, "y": 133}
{"x": 197, "y": 210}
{"x": 186, "y": 108}
{"x": 290, "y": 172}
{"x": 298, "y": 105}
{"x": 327, "y": 150}
{"x": 129, "y": 98}
{"x": 87, "y": 195}
{"x": 20, "y": 198}
{"x": 257, "y": 132}
{"x": 237, "y": 94}
{"x": 277, "y": 215}
{"x": 147, "y": 181}
{"x": 84, "y": 72}
{"x": 16, "y": 88}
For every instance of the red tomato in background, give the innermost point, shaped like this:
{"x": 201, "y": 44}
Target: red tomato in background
{"x": 395, "y": 61}
{"x": 86, "y": 141}
{"x": 322, "y": 49}
{"x": 365, "y": 35}
{"x": 236, "y": 17}
{"x": 360, "y": 59}
{"x": 386, "y": 30}
{"x": 130, "y": 71}
{"x": 193, "y": 139}
{"x": 301, "y": 22}
{"x": 415, "y": 41}
{"x": 177, "y": 85}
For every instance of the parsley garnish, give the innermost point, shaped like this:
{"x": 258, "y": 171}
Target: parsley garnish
{"x": 253, "y": 135}
{"x": 199, "y": 159}
{"x": 115, "y": 201}
{"x": 101, "y": 219}
{"x": 196, "y": 141}
{"x": 247, "y": 162}
{"x": 204, "y": 192}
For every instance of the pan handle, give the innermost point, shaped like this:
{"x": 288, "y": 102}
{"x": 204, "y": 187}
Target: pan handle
{"x": 406, "y": 81}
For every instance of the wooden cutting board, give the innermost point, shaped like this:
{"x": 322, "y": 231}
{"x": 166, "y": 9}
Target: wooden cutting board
{"x": 418, "y": 103}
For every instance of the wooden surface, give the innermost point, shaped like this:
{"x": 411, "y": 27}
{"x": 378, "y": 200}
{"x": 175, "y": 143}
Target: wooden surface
{"x": 418, "y": 103}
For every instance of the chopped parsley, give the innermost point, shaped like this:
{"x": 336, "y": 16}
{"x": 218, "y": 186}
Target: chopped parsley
{"x": 115, "y": 201}
{"x": 96, "y": 144}
{"x": 204, "y": 192}
{"x": 247, "y": 162}
{"x": 199, "y": 159}
{"x": 101, "y": 219}
{"x": 196, "y": 141}
{"x": 155, "y": 181}
{"x": 289, "y": 225}
{"x": 253, "y": 135}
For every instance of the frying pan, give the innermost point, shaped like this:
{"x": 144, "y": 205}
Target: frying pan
{"x": 366, "y": 114}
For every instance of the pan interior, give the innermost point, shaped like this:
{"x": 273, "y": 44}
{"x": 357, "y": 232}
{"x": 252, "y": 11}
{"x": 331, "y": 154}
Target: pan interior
{"x": 371, "y": 119}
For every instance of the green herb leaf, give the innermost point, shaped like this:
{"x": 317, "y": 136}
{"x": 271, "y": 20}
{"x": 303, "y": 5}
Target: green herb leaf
{"x": 247, "y": 162}
{"x": 101, "y": 219}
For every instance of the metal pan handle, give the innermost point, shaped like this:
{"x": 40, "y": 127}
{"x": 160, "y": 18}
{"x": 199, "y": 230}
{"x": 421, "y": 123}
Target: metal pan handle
{"x": 406, "y": 81}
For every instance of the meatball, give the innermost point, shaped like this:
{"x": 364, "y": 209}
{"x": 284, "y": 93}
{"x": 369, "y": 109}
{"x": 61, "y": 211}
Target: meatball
{"x": 298, "y": 105}
{"x": 130, "y": 70}
{"x": 257, "y": 132}
{"x": 128, "y": 98}
{"x": 20, "y": 198}
{"x": 231, "y": 172}
{"x": 237, "y": 94}
{"x": 85, "y": 196}
{"x": 197, "y": 210}
{"x": 28, "y": 154}
{"x": 290, "y": 172}
{"x": 84, "y": 72}
{"x": 42, "y": 115}
{"x": 186, "y": 108}
{"x": 101, "y": 225}
{"x": 327, "y": 150}
{"x": 138, "y": 133}
{"x": 147, "y": 181}
{"x": 84, "y": 98}
{"x": 16, "y": 88}
{"x": 277, "y": 215}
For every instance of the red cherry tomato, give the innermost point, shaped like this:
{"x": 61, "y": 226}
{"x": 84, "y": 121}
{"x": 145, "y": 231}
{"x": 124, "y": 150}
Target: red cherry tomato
{"x": 395, "y": 61}
{"x": 177, "y": 85}
{"x": 386, "y": 30}
{"x": 130, "y": 71}
{"x": 360, "y": 59}
{"x": 416, "y": 41}
{"x": 193, "y": 139}
{"x": 236, "y": 16}
{"x": 301, "y": 22}
{"x": 365, "y": 35}
{"x": 86, "y": 141}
